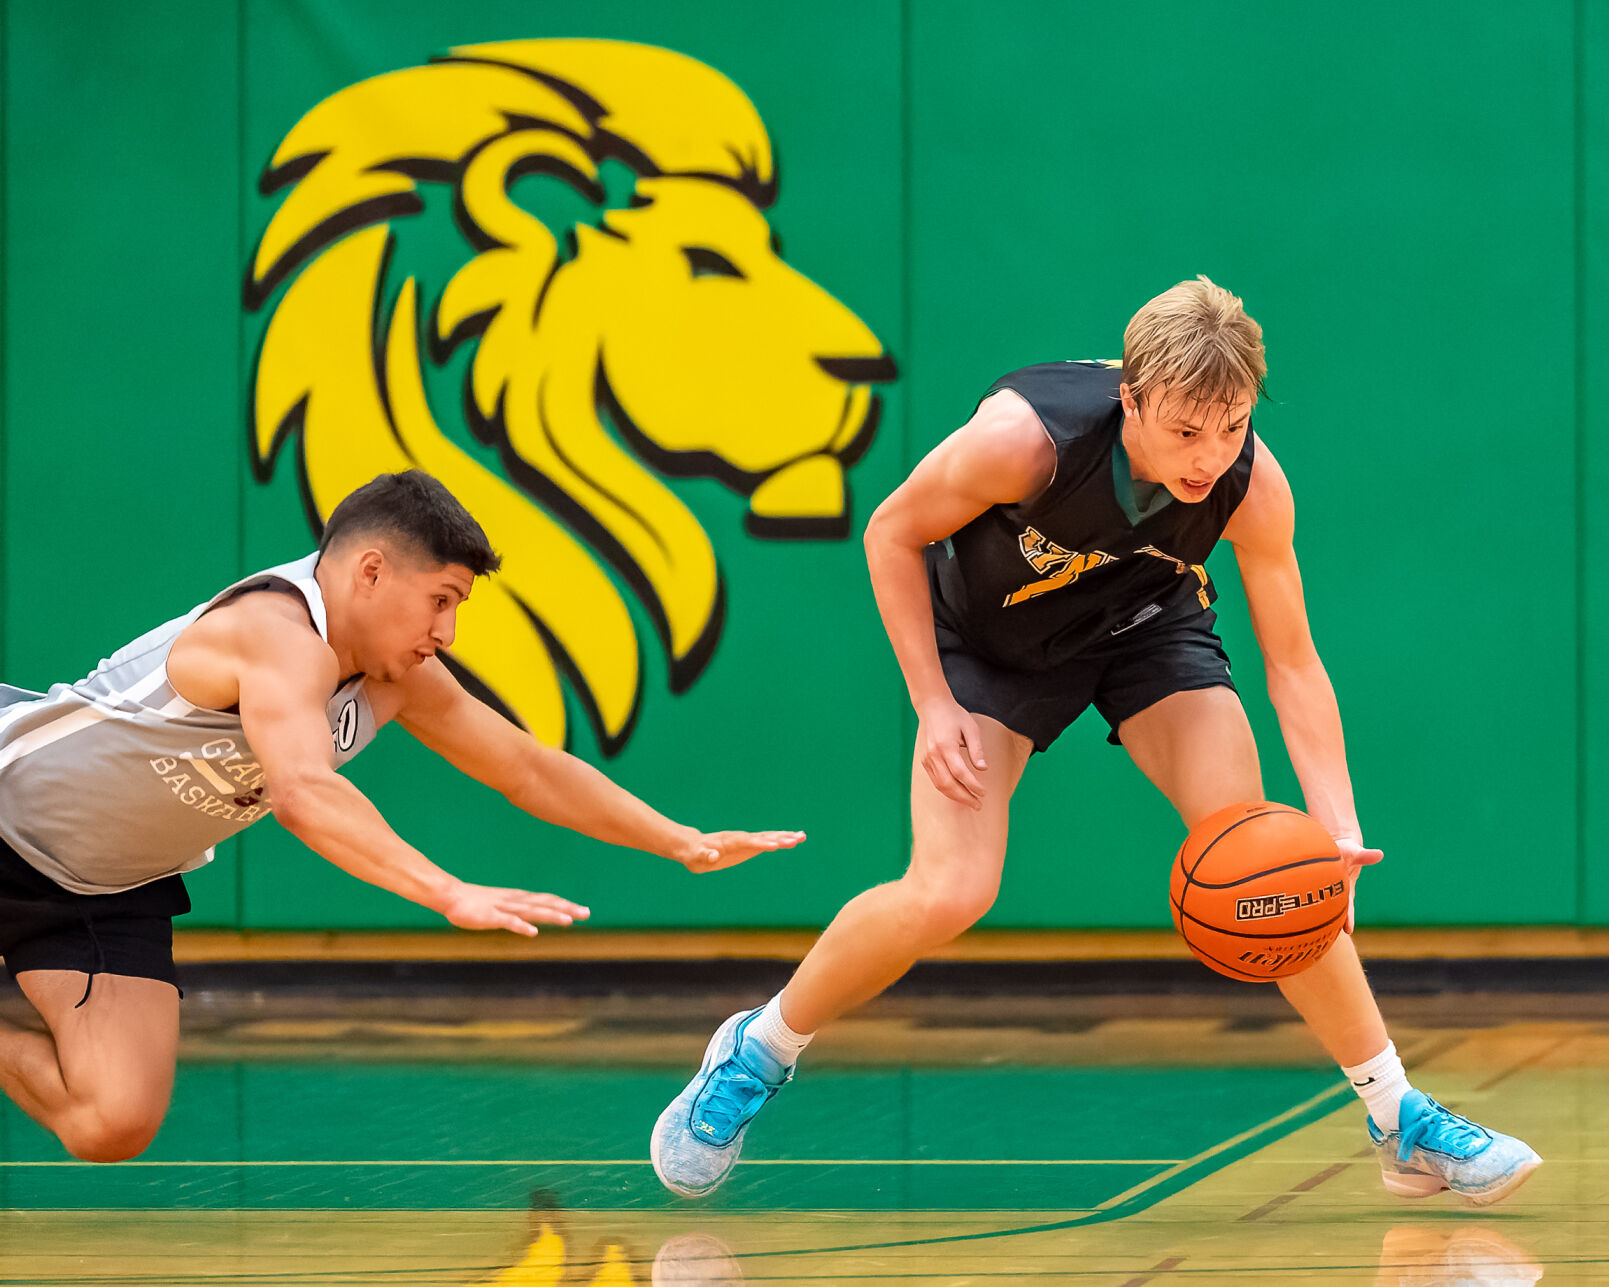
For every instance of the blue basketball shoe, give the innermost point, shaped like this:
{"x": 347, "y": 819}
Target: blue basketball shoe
{"x": 1434, "y": 1149}
{"x": 697, "y": 1139}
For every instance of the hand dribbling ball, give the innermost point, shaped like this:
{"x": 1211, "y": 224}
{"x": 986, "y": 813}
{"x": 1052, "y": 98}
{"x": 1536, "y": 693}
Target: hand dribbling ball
{"x": 1259, "y": 891}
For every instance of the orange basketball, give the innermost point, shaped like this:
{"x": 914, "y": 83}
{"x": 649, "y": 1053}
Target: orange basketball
{"x": 1259, "y": 891}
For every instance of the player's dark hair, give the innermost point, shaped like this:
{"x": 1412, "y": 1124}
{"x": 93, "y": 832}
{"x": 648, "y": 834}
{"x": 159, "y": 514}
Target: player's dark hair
{"x": 416, "y": 511}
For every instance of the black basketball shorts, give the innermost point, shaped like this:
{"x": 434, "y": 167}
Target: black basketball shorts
{"x": 46, "y": 927}
{"x": 1120, "y": 679}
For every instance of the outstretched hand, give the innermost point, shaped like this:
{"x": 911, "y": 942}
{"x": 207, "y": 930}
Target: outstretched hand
{"x": 1355, "y": 858}
{"x": 517, "y": 910}
{"x": 713, "y": 850}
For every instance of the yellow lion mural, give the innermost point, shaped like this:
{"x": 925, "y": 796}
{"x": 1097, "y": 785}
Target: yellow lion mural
{"x": 666, "y": 336}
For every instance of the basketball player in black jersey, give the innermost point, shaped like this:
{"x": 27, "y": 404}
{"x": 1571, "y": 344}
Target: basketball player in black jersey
{"x": 1046, "y": 557}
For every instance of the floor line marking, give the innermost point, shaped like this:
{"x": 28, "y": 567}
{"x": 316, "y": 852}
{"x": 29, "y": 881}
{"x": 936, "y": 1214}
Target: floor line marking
{"x": 1313, "y": 1181}
{"x": 1222, "y": 1146}
{"x": 1139, "y": 1198}
{"x": 1301, "y": 1186}
{"x": 1273, "y": 1204}
{"x": 633, "y": 1161}
{"x": 1171, "y": 1263}
{"x": 1535, "y": 1057}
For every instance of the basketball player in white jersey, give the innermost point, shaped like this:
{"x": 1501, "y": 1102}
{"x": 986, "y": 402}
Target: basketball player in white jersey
{"x": 112, "y": 787}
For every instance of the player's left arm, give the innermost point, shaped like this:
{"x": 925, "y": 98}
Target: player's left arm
{"x": 554, "y": 786}
{"x": 1262, "y": 531}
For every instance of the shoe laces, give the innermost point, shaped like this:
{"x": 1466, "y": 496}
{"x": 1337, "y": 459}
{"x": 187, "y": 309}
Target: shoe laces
{"x": 1454, "y": 1134}
{"x": 733, "y": 1095}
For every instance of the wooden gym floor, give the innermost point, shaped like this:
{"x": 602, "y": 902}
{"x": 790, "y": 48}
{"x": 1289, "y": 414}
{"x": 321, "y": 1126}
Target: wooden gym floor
{"x": 390, "y": 1139}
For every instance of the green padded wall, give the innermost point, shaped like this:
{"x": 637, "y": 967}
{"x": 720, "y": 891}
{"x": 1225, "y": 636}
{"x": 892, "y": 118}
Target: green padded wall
{"x": 1416, "y": 211}
{"x": 1592, "y": 476}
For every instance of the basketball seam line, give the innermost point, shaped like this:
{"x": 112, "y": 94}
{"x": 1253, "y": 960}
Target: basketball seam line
{"x": 1190, "y": 874}
{"x": 1231, "y": 970}
{"x": 1266, "y": 871}
{"x": 1234, "y": 971}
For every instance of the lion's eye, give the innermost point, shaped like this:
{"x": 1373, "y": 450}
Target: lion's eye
{"x": 710, "y": 263}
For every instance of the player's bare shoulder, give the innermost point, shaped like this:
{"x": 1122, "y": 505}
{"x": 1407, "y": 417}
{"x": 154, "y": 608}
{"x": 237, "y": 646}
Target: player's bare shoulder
{"x": 1000, "y": 456}
{"x": 1003, "y": 453}
{"x": 1266, "y": 515}
{"x": 264, "y": 616}
{"x": 206, "y": 660}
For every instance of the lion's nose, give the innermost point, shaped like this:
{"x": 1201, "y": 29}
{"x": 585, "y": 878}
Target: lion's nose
{"x": 860, "y": 370}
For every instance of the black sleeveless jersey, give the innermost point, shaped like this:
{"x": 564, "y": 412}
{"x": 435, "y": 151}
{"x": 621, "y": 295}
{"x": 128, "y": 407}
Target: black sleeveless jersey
{"x": 1032, "y": 585}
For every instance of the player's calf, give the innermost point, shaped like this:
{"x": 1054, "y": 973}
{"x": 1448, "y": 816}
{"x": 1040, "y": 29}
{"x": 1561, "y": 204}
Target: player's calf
{"x": 103, "y": 1078}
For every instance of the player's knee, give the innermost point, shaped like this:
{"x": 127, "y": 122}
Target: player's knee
{"x": 110, "y": 1133}
{"x": 106, "y": 1141}
{"x": 949, "y": 910}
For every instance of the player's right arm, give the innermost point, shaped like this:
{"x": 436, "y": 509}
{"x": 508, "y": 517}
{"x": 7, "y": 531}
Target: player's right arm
{"x": 285, "y": 674}
{"x": 1002, "y": 455}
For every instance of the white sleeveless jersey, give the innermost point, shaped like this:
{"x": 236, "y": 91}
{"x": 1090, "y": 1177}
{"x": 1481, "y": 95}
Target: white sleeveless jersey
{"x": 116, "y": 781}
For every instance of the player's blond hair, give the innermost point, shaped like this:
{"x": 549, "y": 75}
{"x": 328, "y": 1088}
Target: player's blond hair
{"x": 1195, "y": 338}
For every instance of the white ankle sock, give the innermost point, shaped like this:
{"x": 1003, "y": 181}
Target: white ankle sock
{"x": 778, "y": 1040}
{"x": 1381, "y": 1083}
